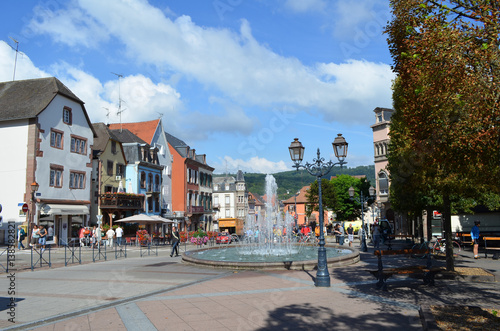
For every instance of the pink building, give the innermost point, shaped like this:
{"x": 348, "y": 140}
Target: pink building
{"x": 381, "y": 144}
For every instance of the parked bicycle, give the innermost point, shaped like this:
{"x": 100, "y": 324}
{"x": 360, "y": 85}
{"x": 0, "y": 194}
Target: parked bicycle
{"x": 436, "y": 248}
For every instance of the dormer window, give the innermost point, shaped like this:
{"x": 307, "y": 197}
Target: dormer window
{"x": 67, "y": 117}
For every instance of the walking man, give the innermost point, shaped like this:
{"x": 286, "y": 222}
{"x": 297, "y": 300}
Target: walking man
{"x": 175, "y": 241}
{"x": 474, "y": 234}
{"x": 110, "y": 234}
{"x": 119, "y": 235}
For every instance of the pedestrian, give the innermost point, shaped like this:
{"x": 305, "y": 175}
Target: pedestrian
{"x": 20, "y": 237}
{"x": 81, "y": 236}
{"x": 474, "y": 234}
{"x": 110, "y": 234}
{"x": 98, "y": 235}
{"x": 175, "y": 241}
{"x": 341, "y": 234}
{"x": 350, "y": 234}
{"x": 35, "y": 235}
{"x": 43, "y": 237}
{"x": 119, "y": 235}
{"x": 94, "y": 237}
{"x": 336, "y": 233}
{"x": 376, "y": 236}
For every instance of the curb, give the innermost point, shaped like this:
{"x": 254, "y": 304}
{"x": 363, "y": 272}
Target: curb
{"x": 427, "y": 319}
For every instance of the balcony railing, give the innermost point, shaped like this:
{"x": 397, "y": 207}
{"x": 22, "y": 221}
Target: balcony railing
{"x": 196, "y": 209}
{"x": 122, "y": 201}
{"x": 155, "y": 188}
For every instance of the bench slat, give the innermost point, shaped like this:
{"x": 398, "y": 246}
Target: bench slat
{"x": 401, "y": 252}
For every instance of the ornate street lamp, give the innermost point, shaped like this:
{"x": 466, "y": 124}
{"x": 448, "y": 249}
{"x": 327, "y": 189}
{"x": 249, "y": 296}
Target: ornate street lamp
{"x": 319, "y": 168}
{"x": 362, "y": 200}
{"x": 34, "y": 187}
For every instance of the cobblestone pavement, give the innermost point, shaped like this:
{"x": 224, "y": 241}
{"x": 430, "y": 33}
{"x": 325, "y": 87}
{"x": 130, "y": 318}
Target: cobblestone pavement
{"x": 163, "y": 293}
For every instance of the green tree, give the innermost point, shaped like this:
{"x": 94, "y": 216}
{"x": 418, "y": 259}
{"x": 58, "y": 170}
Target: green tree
{"x": 328, "y": 196}
{"x": 444, "y": 134}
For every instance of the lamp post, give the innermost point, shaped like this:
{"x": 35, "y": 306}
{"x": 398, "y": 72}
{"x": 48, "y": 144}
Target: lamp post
{"x": 34, "y": 187}
{"x": 295, "y": 209}
{"x": 319, "y": 168}
{"x": 362, "y": 201}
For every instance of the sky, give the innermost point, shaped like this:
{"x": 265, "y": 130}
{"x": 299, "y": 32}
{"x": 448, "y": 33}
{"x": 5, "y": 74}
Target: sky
{"x": 236, "y": 80}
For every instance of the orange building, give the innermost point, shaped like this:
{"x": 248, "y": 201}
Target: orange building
{"x": 191, "y": 185}
{"x": 301, "y": 201}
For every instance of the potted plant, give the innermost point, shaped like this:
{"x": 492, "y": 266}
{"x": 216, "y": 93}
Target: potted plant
{"x": 199, "y": 237}
{"x": 143, "y": 237}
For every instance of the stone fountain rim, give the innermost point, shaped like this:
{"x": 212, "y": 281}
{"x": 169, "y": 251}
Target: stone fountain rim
{"x": 337, "y": 261}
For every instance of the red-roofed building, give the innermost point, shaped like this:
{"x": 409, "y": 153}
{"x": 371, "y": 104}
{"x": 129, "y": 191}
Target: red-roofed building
{"x": 152, "y": 133}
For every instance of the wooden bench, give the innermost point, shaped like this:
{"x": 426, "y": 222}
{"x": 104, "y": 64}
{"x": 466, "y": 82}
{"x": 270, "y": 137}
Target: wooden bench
{"x": 465, "y": 238}
{"x": 495, "y": 248}
{"x": 427, "y": 272}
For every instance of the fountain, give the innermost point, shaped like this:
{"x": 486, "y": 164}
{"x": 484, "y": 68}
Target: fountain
{"x": 269, "y": 243}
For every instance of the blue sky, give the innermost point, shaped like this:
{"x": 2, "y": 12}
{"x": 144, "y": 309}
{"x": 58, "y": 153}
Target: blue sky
{"x": 235, "y": 79}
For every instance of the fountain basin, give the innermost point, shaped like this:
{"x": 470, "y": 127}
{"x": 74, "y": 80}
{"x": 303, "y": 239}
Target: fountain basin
{"x": 347, "y": 256}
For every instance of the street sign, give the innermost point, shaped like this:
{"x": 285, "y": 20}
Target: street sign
{"x": 25, "y": 208}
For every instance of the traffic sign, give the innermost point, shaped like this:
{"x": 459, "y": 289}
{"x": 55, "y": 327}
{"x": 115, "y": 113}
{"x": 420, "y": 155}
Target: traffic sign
{"x": 25, "y": 208}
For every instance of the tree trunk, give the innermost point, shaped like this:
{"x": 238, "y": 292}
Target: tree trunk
{"x": 429, "y": 224}
{"x": 447, "y": 232}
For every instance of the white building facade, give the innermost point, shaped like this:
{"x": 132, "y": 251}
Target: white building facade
{"x": 52, "y": 143}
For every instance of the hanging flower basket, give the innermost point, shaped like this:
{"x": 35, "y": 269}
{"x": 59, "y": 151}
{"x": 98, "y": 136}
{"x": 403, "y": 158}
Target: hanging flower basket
{"x": 143, "y": 237}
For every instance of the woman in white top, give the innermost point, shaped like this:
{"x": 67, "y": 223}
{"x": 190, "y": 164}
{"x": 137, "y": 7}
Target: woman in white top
{"x": 35, "y": 235}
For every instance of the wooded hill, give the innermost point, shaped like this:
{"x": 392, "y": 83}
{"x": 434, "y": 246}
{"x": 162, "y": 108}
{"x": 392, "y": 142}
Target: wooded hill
{"x": 292, "y": 181}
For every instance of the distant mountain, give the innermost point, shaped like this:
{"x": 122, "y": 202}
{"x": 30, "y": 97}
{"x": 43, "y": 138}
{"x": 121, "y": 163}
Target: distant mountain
{"x": 292, "y": 181}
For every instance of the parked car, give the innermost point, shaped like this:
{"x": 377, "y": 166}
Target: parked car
{"x": 223, "y": 238}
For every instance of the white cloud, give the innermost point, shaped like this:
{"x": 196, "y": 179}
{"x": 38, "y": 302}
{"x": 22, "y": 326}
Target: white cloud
{"x": 25, "y": 69}
{"x": 254, "y": 165}
{"x": 235, "y": 64}
{"x": 69, "y": 26}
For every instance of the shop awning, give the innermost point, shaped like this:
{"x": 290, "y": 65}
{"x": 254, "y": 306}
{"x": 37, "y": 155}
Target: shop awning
{"x": 54, "y": 209}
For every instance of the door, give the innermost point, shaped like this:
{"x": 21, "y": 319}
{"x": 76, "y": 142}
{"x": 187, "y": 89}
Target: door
{"x": 63, "y": 231}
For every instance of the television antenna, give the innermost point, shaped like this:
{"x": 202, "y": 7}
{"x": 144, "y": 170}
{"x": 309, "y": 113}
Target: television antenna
{"x": 107, "y": 115}
{"x": 15, "y": 61}
{"x": 120, "y": 110}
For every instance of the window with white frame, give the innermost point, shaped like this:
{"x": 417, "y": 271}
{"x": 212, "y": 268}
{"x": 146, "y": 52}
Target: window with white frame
{"x": 383, "y": 183}
{"x": 56, "y": 175}
{"x": 67, "y": 116}
{"x": 78, "y": 145}
{"x": 228, "y": 202}
{"x": 76, "y": 180}
{"x": 56, "y": 138}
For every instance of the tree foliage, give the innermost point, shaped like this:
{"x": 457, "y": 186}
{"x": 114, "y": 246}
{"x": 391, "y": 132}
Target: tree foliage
{"x": 445, "y": 137}
{"x": 292, "y": 181}
{"x": 335, "y": 196}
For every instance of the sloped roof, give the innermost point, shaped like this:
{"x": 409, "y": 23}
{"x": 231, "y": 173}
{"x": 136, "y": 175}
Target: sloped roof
{"x": 103, "y": 135}
{"x": 180, "y": 146}
{"x": 301, "y": 197}
{"x": 22, "y": 99}
{"x": 144, "y": 130}
{"x": 125, "y": 136}
{"x": 259, "y": 201}
{"x": 239, "y": 176}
